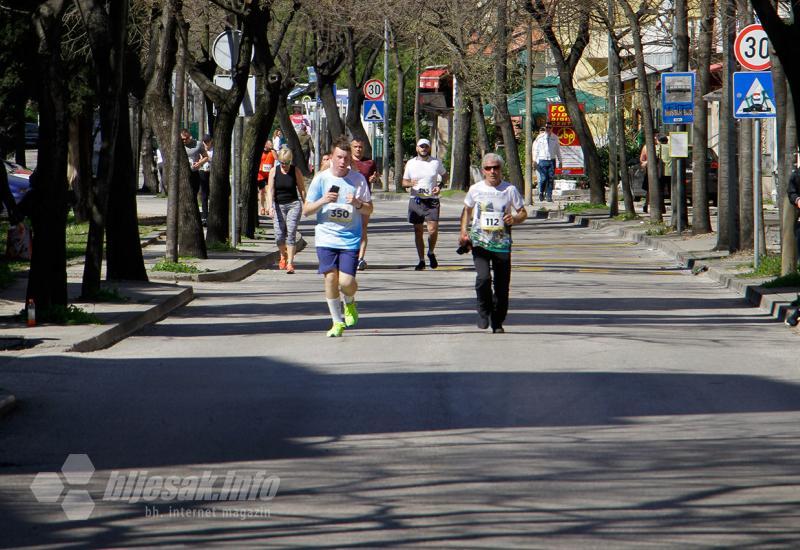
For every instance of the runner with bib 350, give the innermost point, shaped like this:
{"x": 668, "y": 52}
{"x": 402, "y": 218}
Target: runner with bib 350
{"x": 339, "y": 197}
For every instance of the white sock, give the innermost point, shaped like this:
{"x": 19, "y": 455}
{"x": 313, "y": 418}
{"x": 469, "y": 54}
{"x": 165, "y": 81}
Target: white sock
{"x": 348, "y": 299}
{"x": 335, "y": 306}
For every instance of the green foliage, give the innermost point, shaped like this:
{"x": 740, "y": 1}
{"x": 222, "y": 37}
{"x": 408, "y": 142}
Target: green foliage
{"x": 580, "y": 207}
{"x": 625, "y": 217}
{"x": 175, "y": 267}
{"x": 656, "y": 229}
{"x": 450, "y": 193}
{"x": 769, "y": 265}
{"x": 221, "y": 247}
{"x": 62, "y": 315}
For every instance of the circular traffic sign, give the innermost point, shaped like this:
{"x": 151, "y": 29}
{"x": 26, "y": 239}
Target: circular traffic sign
{"x": 752, "y": 48}
{"x": 373, "y": 89}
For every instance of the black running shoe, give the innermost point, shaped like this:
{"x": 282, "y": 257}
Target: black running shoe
{"x": 420, "y": 266}
{"x": 432, "y": 260}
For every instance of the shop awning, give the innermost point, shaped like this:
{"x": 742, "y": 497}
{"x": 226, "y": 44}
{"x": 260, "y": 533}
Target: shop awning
{"x": 429, "y": 79}
{"x": 545, "y": 91}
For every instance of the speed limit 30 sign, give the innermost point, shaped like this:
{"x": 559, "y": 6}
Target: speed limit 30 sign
{"x": 373, "y": 89}
{"x": 752, "y": 48}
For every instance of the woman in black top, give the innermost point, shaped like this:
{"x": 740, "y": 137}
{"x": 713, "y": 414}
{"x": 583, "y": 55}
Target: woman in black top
{"x": 286, "y": 193}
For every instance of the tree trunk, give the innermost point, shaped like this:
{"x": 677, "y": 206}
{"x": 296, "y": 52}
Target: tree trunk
{"x": 289, "y": 133}
{"x": 218, "y": 230}
{"x": 701, "y": 220}
{"x": 335, "y": 126}
{"x": 124, "y": 259}
{"x": 480, "y": 125}
{"x": 748, "y": 145}
{"x": 107, "y": 35}
{"x": 462, "y": 145}
{"x": 47, "y": 280}
{"x": 566, "y": 69}
{"x": 400, "y": 81}
{"x": 619, "y": 127}
{"x": 355, "y": 92}
{"x": 656, "y": 199}
{"x": 728, "y": 197}
{"x": 502, "y": 118}
{"x": 678, "y": 165}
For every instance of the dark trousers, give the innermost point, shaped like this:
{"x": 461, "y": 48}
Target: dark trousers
{"x": 493, "y": 306}
{"x": 205, "y": 178}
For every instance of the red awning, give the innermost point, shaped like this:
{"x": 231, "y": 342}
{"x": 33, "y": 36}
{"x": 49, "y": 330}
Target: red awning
{"x": 429, "y": 79}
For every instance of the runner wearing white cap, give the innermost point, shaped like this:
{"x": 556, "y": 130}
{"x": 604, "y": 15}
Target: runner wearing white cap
{"x": 425, "y": 175}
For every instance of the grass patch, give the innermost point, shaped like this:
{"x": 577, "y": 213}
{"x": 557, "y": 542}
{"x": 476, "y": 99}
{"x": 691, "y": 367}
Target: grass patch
{"x": 221, "y": 247}
{"x": 77, "y": 234}
{"x": 449, "y": 193}
{"x": 62, "y": 315}
{"x": 656, "y": 229}
{"x": 175, "y": 267}
{"x": 625, "y": 217}
{"x": 145, "y": 230}
{"x": 769, "y": 265}
{"x": 580, "y": 207}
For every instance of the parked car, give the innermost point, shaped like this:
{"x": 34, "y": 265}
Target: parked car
{"x": 712, "y": 169}
{"x": 18, "y": 179}
{"x": 31, "y": 135}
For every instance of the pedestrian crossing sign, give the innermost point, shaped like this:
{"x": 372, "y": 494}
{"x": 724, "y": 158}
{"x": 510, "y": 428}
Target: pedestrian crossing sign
{"x": 374, "y": 111}
{"x": 753, "y": 95}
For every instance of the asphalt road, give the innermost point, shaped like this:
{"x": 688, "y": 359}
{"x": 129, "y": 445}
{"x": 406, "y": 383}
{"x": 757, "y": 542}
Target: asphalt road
{"x": 629, "y": 404}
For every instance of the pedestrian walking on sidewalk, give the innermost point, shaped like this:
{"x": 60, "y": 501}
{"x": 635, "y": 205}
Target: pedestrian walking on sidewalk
{"x": 285, "y": 196}
{"x": 264, "y": 168}
{"x": 339, "y": 197}
{"x": 425, "y": 175}
{"x": 366, "y": 167}
{"x": 491, "y": 207}
{"x": 546, "y": 151}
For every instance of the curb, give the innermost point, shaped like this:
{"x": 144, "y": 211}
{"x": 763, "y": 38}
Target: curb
{"x": 7, "y": 403}
{"x": 234, "y": 274}
{"x": 774, "y": 301}
{"x": 136, "y": 322}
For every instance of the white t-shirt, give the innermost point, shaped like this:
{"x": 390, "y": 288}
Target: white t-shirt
{"x": 489, "y": 205}
{"x": 428, "y": 172}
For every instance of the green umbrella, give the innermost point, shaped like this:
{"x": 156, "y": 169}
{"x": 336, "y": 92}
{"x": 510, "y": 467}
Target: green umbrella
{"x": 545, "y": 91}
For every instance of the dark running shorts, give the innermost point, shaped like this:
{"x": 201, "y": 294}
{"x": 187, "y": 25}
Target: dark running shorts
{"x": 261, "y": 184}
{"x": 420, "y": 210}
{"x": 345, "y": 261}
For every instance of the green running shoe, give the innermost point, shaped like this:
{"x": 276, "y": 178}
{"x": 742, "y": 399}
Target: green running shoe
{"x": 336, "y": 330}
{"x": 350, "y": 314}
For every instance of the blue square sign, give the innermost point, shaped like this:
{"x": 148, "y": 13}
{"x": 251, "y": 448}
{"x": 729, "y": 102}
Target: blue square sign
{"x": 677, "y": 98}
{"x": 374, "y": 111}
{"x": 753, "y": 95}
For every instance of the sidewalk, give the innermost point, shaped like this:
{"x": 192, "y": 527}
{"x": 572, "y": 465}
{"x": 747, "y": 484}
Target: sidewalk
{"x": 696, "y": 252}
{"x": 145, "y": 303}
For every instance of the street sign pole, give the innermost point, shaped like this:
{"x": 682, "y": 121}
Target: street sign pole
{"x": 385, "y": 186}
{"x": 756, "y": 191}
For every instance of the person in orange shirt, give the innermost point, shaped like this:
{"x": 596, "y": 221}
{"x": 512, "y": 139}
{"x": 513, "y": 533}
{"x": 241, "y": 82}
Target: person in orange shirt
{"x": 264, "y": 168}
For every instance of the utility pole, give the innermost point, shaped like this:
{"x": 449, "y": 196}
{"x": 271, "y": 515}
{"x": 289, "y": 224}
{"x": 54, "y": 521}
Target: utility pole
{"x": 528, "y": 127}
{"x": 386, "y": 105}
{"x": 613, "y": 160}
